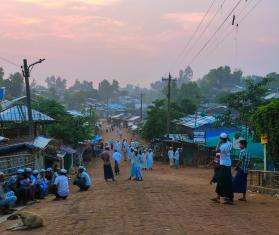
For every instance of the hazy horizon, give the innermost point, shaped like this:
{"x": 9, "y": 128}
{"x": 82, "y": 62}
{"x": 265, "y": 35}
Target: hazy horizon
{"x": 135, "y": 42}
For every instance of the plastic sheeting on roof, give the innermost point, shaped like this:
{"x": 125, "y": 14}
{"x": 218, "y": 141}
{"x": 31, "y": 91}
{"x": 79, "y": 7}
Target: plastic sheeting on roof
{"x": 195, "y": 121}
{"x": 117, "y": 116}
{"x": 75, "y": 113}
{"x": 19, "y": 113}
{"x": 41, "y": 142}
{"x": 134, "y": 118}
{"x": 67, "y": 149}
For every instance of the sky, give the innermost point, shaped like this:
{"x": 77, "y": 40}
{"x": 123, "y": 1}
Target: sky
{"x": 136, "y": 41}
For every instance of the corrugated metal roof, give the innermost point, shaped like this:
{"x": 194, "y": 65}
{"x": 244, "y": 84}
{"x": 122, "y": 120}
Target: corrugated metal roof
{"x": 41, "y": 142}
{"x": 195, "y": 121}
{"x": 274, "y": 95}
{"x": 75, "y": 113}
{"x": 134, "y": 118}
{"x": 19, "y": 113}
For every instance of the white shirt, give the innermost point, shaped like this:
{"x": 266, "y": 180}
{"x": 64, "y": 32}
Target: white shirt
{"x": 62, "y": 185}
{"x": 225, "y": 154}
{"x": 170, "y": 154}
{"x": 176, "y": 155}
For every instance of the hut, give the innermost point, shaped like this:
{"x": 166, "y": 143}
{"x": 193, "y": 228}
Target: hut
{"x": 14, "y": 119}
{"x": 22, "y": 155}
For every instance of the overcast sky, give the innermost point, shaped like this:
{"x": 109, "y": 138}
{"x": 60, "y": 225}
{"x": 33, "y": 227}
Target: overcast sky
{"x": 134, "y": 41}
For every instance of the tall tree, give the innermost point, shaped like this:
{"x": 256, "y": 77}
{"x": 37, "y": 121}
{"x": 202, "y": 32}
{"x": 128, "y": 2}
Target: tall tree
{"x": 265, "y": 122}
{"x": 104, "y": 90}
{"x": 1, "y": 76}
{"x": 244, "y": 103}
{"x": 14, "y": 85}
{"x": 220, "y": 80}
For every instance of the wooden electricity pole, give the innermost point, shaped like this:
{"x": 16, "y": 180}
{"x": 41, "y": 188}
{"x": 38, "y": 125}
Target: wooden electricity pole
{"x": 26, "y": 73}
{"x": 141, "y": 108}
{"x": 169, "y": 80}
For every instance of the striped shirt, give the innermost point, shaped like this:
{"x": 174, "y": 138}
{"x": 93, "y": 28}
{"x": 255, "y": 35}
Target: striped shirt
{"x": 245, "y": 160}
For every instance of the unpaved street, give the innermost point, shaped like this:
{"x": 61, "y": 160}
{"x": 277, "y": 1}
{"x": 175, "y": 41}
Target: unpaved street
{"x": 168, "y": 201}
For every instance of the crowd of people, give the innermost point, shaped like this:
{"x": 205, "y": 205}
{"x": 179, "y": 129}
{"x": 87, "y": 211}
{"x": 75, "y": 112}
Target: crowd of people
{"x": 175, "y": 157}
{"x": 32, "y": 185}
{"x": 139, "y": 158}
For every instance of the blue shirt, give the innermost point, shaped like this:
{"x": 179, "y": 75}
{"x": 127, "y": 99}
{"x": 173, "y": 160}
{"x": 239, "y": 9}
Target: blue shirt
{"x": 116, "y": 157}
{"x": 62, "y": 185}
{"x": 176, "y": 155}
{"x": 86, "y": 178}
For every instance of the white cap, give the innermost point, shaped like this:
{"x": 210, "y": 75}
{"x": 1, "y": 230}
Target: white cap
{"x": 1, "y": 173}
{"x": 35, "y": 172}
{"x": 63, "y": 171}
{"x": 20, "y": 171}
{"x": 28, "y": 169}
{"x": 223, "y": 136}
{"x": 81, "y": 168}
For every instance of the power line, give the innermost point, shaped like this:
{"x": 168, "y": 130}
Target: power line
{"x": 194, "y": 34}
{"x": 206, "y": 27}
{"x": 213, "y": 35}
{"x": 229, "y": 26}
{"x": 9, "y": 62}
{"x": 229, "y": 33}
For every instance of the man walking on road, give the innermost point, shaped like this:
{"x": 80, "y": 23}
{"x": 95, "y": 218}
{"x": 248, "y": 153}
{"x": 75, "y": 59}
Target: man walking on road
{"x": 108, "y": 174}
{"x": 117, "y": 160}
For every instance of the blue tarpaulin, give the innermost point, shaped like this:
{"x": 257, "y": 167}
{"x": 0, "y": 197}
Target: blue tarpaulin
{"x": 96, "y": 139}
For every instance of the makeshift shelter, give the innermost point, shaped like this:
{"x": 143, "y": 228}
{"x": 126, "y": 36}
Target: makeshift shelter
{"x": 18, "y": 115}
{"x": 66, "y": 153}
{"x": 22, "y": 155}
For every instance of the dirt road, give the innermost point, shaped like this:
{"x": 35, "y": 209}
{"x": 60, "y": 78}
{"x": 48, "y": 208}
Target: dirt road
{"x": 168, "y": 201}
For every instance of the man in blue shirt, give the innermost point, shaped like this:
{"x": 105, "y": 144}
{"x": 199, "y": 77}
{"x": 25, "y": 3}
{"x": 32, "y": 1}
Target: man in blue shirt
{"x": 117, "y": 160}
{"x": 83, "y": 180}
{"x": 7, "y": 199}
{"x": 62, "y": 185}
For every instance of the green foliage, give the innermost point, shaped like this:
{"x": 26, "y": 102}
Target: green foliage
{"x": 69, "y": 129}
{"x": 14, "y": 84}
{"x": 274, "y": 84}
{"x": 187, "y": 106}
{"x": 244, "y": 103}
{"x": 265, "y": 122}
{"x": 155, "y": 125}
{"x": 218, "y": 80}
{"x": 191, "y": 92}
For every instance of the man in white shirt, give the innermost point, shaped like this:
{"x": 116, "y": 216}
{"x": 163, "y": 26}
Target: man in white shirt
{"x": 224, "y": 183}
{"x": 171, "y": 156}
{"x": 62, "y": 185}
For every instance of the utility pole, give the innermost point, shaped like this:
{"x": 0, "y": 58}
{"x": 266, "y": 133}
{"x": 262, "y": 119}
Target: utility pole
{"x": 107, "y": 107}
{"x": 26, "y": 69}
{"x": 141, "y": 108}
{"x": 169, "y": 80}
